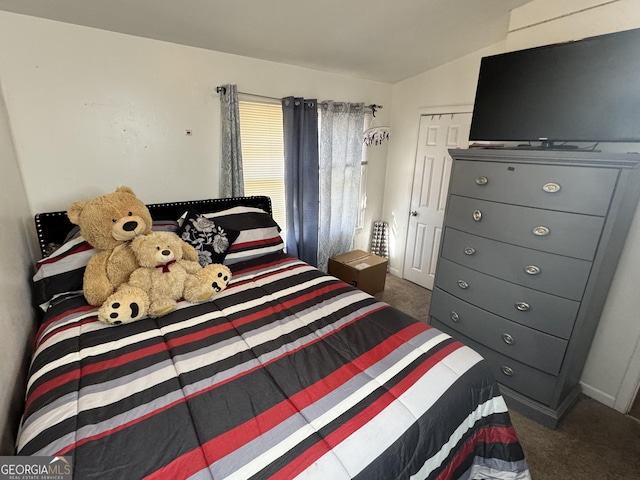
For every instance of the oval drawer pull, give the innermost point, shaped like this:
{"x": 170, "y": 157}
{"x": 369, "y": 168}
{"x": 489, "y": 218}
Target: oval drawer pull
{"x": 463, "y": 285}
{"x": 508, "y": 371}
{"x": 541, "y": 231}
{"x": 508, "y": 339}
{"x": 482, "y": 180}
{"x": 523, "y": 306}
{"x": 532, "y": 270}
{"x": 551, "y": 187}
{"x": 477, "y": 215}
{"x": 454, "y": 316}
{"x": 469, "y": 250}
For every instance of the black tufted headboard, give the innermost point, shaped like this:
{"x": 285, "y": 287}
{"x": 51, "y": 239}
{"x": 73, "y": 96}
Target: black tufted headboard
{"x": 53, "y": 227}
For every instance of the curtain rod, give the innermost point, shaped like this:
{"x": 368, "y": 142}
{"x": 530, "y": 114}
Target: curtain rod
{"x": 373, "y": 107}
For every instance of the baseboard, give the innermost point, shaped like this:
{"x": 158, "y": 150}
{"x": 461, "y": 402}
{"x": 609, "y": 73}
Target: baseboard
{"x": 598, "y": 395}
{"x": 395, "y": 272}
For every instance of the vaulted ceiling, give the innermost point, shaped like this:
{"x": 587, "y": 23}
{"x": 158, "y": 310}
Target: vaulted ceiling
{"x": 381, "y": 40}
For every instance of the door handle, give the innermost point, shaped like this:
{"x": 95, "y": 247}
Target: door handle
{"x": 414, "y": 213}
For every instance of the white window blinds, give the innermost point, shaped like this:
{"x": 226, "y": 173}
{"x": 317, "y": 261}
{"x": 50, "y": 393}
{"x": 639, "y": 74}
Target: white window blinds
{"x": 263, "y": 153}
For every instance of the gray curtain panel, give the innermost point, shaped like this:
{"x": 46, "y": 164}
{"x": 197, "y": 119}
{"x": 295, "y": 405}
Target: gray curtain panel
{"x": 300, "y": 129}
{"x": 231, "y": 178}
{"x": 341, "y": 130}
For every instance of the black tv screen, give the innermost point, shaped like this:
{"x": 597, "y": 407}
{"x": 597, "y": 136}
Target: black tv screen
{"x": 582, "y": 91}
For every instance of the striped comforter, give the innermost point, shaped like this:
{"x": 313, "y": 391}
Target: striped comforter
{"x": 289, "y": 373}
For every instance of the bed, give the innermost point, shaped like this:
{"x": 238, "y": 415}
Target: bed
{"x": 288, "y": 373}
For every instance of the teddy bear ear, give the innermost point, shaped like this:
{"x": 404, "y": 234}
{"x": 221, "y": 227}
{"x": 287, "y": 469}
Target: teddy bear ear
{"x": 125, "y": 189}
{"x": 138, "y": 240}
{"x": 74, "y": 211}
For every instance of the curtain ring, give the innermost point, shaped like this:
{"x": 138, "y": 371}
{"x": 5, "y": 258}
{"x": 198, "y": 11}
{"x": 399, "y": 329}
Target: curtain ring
{"x": 297, "y": 103}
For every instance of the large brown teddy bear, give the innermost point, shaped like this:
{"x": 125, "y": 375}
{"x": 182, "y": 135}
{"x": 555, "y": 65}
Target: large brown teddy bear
{"x": 165, "y": 277}
{"x": 108, "y": 223}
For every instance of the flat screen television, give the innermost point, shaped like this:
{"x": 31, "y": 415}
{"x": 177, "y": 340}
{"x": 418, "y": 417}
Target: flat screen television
{"x": 581, "y": 91}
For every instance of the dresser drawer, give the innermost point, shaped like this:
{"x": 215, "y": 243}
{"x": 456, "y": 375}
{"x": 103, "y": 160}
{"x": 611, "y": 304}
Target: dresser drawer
{"x": 520, "y": 377}
{"x": 567, "y": 234}
{"x": 504, "y": 336}
{"x": 538, "y": 310}
{"x": 547, "y": 272}
{"x": 569, "y": 189}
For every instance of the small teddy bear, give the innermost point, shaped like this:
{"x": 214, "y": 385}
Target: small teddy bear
{"x": 165, "y": 277}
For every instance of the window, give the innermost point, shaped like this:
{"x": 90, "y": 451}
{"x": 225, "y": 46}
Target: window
{"x": 263, "y": 153}
{"x": 263, "y": 156}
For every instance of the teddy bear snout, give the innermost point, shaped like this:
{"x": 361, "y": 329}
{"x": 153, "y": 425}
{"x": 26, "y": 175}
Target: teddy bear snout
{"x": 165, "y": 255}
{"x": 130, "y": 226}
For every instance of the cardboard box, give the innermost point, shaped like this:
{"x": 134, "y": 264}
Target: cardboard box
{"x": 363, "y": 270}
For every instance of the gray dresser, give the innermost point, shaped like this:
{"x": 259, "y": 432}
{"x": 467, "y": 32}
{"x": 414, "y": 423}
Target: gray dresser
{"x": 530, "y": 244}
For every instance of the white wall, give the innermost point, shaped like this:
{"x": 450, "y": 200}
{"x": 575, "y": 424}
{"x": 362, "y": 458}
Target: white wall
{"x": 92, "y": 109}
{"x": 377, "y": 158}
{"x": 610, "y": 375}
{"x": 16, "y": 317}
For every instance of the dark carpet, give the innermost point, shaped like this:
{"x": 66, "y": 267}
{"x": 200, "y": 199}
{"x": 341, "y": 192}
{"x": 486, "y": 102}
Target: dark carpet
{"x": 592, "y": 442}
